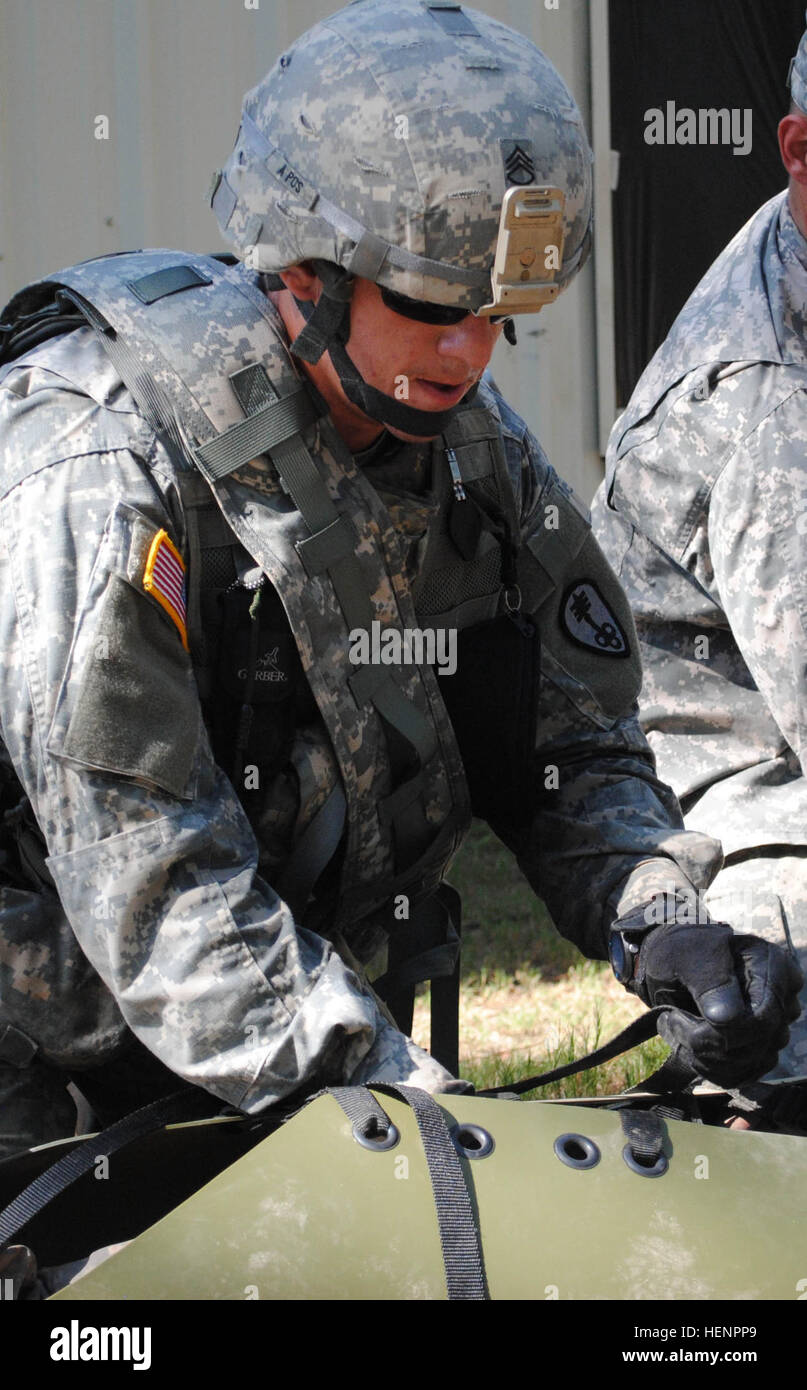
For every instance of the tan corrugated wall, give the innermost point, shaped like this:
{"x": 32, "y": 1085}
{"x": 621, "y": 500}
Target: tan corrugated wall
{"x": 168, "y": 76}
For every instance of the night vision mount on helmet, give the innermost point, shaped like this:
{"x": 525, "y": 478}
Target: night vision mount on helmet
{"x": 424, "y": 147}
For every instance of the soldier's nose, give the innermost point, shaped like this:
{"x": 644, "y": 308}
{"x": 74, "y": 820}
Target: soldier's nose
{"x": 471, "y": 341}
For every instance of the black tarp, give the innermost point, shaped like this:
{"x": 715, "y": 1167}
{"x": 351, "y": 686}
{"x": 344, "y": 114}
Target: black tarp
{"x": 676, "y": 206}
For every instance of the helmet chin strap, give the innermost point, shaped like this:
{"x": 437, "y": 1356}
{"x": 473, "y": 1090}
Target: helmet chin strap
{"x": 327, "y": 328}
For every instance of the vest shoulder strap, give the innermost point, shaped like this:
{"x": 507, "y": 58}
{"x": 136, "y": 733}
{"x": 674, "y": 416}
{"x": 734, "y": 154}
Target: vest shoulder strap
{"x": 199, "y": 346}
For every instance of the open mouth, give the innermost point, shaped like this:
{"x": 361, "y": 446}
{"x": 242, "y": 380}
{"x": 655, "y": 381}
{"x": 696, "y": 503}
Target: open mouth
{"x": 443, "y": 391}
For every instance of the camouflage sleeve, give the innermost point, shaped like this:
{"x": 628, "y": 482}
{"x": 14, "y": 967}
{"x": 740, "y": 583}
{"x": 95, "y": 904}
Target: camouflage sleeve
{"x": 607, "y": 834}
{"x": 152, "y": 856}
{"x": 758, "y": 551}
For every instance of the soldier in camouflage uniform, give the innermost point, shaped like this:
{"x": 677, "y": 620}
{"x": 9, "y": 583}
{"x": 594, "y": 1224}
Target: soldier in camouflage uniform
{"x": 703, "y": 515}
{"x": 221, "y": 821}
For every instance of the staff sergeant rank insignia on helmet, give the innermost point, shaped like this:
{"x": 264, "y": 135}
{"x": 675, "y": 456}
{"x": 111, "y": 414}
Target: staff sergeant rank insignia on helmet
{"x": 519, "y": 164}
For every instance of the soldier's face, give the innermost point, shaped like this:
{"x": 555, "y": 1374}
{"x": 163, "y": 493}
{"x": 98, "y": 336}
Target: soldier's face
{"x": 425, "y": 365}
{"x": 428, "y": 366}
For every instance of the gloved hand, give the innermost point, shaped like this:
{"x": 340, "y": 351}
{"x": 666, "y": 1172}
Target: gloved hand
{"x": 733, "y": 997}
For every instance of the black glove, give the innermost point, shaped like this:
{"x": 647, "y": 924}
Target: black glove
{"x": 732, "y": 996}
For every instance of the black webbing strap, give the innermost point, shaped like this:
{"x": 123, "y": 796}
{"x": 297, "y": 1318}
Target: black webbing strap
{"x": 444, "y": 1023}
{"x": 459, "y": 1236}
{"x": 645, "y": 1135}
{"x": 186, "y": 1104}
{"x": 673, "y": 1076}
{"x": 428, "y": 950}
{"x": 363, "y": 1110}
{"x": 637, "y": 1032}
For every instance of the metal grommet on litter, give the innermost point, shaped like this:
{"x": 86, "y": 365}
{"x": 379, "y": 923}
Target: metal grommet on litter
{"x": 576, "y": 1150}
{"x": 656, "y": 1169}
{"x": 380, "y": 1142}
{"x": 471, "y": 1141}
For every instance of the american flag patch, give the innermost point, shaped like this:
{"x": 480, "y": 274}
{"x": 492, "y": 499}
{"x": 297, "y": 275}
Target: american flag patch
{"x": 164, "y": 579}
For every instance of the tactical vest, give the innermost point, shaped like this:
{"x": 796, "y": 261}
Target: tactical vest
{"x": 264, "y": 475}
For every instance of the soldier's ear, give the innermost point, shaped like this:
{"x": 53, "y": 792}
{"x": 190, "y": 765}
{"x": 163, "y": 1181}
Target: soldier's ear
{"x": 302, "y": 280}
{"x": 793, "y": 145}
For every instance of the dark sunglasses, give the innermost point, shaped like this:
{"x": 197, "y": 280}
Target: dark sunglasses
{"x": 425, "y": 312}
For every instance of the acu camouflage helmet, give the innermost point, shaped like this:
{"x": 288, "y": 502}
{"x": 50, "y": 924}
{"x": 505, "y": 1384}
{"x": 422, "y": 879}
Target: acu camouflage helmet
{"x": 385, "y": 140}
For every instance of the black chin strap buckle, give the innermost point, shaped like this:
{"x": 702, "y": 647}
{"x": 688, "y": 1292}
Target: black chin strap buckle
{"x": 323, "y": 322}
{"x": 328, "y": 319}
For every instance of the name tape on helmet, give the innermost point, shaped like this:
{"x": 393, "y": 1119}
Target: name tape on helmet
{"x": 288, "y": 177}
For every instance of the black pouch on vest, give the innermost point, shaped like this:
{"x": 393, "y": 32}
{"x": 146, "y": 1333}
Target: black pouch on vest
{"x": 492, "y": 701}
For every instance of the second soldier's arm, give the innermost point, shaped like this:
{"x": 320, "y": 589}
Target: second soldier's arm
{"x": 605, "y": 845}
{"x": 758, "y": 550}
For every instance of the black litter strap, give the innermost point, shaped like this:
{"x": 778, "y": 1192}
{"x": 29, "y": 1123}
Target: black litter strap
{"x": 637, "y": 1032}
{"x": 459, "y": 1236}
{"x": 363, "y": 1110}
{"x": 645, "y": 1135}
{"x": 186, "y": 1104}
{"x": 674, "y": 1076}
